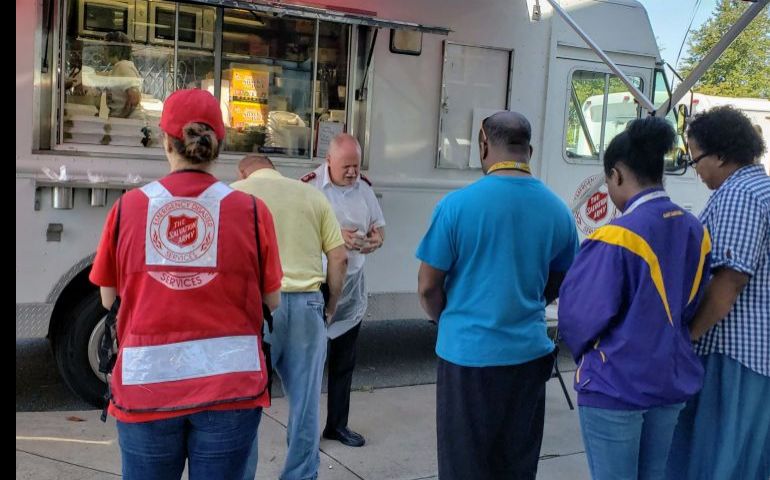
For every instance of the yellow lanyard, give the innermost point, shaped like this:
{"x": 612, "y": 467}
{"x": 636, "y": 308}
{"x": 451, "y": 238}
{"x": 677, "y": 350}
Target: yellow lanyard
{"x": 520, "y": 166}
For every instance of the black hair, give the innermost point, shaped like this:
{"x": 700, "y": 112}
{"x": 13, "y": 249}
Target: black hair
{"x": 641, "y": 147}
{"x": 727, "y": 133}
{"x": 119, "y": 45}
{"x": 509, "y": 131}
{"x": 199, "y": 145}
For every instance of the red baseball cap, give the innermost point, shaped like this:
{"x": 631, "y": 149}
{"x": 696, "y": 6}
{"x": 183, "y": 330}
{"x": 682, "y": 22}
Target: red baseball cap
{"x": 193, "y": 105}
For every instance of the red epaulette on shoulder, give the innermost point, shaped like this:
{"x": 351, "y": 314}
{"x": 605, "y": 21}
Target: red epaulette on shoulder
{"x": 308, "y": 177}
{"x": 363, "y": 177}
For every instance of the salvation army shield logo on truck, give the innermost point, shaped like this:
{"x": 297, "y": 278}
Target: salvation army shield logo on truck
{"x": 597, "y": 210}
{"x": 182, "y": 230}
{"x": 596, "y": 207}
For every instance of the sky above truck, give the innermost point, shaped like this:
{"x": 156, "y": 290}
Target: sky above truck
{"x": 670, "y": 18}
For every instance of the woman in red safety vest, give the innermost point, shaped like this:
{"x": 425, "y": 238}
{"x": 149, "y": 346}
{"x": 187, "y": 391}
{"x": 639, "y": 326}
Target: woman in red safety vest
{"x": 191, "y": 261}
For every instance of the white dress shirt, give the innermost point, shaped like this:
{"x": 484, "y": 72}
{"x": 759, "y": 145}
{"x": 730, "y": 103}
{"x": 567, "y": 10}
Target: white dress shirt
{"x": 355, "y": 206}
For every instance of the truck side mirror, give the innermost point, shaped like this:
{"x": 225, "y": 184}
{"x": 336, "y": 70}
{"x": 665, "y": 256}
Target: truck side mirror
{"x": 682, "y": 157}
{"x": 676, "y": 163}
{"x": 681, "y": 118}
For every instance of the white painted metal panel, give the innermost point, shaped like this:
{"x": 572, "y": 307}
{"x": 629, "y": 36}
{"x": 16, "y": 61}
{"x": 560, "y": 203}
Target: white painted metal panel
{"x": 473, "y": 78}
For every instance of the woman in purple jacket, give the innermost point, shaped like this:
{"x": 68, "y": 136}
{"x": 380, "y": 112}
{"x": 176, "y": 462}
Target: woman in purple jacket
{"x": 624, "y": 311}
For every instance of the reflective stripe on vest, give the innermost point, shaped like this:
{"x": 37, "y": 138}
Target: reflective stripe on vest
{"x": 192, "y": 359}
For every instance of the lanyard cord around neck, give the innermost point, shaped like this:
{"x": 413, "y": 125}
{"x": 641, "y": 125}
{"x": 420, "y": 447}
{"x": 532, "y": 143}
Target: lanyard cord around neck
{"x": 644, "y": 199}
{"x": 519, "y": 166}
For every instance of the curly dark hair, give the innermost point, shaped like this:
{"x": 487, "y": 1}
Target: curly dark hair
{"x": 727, "y": 133}
{"x": 641, "y": 147}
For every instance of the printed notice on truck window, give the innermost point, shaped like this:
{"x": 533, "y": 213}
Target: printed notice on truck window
{"x": 326, "y": 132}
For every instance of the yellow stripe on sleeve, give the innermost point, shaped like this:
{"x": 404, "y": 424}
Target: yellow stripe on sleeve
{"x": 625, "y": 238}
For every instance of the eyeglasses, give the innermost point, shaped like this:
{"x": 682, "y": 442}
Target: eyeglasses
{"x": 697, "y": 159}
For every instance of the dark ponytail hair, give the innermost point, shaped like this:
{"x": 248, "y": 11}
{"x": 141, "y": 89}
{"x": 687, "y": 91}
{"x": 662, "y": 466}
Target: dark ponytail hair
{"x": 200, "y": 144}
{"x": 642, "y": 147}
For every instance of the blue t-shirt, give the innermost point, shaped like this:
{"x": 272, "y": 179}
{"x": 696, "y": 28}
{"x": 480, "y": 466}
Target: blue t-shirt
{"x": 497, "y": 239}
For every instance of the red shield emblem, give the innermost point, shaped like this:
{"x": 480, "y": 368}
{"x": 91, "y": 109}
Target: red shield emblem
{"x": 182, "y": 230}
{"x": 596, "y": 207}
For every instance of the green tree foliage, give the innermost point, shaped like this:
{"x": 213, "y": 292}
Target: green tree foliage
{"x": 743, "y": 70}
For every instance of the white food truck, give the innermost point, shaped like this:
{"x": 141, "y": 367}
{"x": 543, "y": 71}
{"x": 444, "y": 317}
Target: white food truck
{"x": 410, "y": 79}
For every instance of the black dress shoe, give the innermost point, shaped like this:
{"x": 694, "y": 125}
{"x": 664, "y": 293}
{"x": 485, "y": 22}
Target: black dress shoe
{"x": 345, "y": 436}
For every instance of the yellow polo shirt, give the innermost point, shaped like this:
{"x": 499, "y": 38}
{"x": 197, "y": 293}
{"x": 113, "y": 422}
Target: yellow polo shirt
{"x": 305, "y": 226}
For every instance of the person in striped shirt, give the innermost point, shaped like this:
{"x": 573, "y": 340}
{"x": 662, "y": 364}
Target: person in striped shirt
{"x": 724, "y": 432}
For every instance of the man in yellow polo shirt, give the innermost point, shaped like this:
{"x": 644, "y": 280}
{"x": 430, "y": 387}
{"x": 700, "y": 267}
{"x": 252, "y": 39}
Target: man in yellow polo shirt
{"x": 306, "y": 227}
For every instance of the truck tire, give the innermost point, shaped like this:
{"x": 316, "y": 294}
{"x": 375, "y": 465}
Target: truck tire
{"x": 75, "y": 349}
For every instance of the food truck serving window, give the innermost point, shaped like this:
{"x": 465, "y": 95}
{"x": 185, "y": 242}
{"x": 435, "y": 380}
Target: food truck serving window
{"x": 279, "y": 78}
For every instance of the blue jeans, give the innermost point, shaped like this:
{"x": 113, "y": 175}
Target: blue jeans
{"x": 298, "y": 350}
{"x": 215, "y": 442}
{"x": 724, "y": 431}
{"x": 628, "y": 444}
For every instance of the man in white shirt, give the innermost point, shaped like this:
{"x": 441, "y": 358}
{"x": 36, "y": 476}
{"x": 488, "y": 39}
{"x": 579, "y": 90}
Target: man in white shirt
{"x": 362, "y": 225}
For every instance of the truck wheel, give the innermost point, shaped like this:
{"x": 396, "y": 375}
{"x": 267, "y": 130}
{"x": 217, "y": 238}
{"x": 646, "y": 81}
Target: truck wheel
{"x": 76, "y": 346}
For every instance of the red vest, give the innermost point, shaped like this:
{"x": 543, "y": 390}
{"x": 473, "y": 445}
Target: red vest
{"x": 190, "y": 320}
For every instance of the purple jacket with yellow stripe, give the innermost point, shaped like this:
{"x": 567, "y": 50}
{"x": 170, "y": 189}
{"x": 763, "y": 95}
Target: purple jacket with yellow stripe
{"x": 626, "y": 303}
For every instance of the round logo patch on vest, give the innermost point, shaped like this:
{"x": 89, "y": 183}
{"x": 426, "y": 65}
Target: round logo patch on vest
{"x": 182, "y": 231}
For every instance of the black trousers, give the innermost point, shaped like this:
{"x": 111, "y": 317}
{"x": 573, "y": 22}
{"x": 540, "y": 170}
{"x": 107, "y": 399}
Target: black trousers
{"x": 489, "y": 420}
{"x": 342, "y": 362}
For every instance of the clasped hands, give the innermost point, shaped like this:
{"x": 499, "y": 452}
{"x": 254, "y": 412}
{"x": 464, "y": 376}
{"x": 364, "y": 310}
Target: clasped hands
{"x": 364, "y": 244}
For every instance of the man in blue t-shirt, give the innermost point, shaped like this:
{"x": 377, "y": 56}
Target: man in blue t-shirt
{"x": 493, "y": 257}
